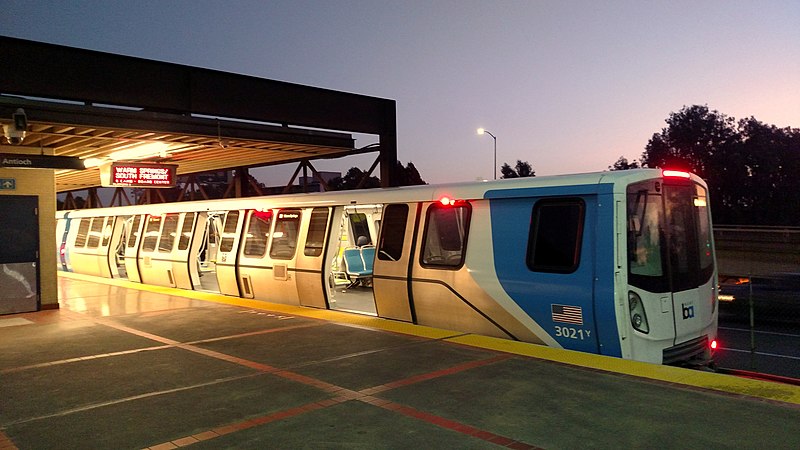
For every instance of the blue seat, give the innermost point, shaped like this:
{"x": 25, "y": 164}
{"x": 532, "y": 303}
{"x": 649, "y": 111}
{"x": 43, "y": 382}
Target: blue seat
{"x": 353, "y": 264}
{"x": 368, "y": 256}
{"x": 358, "y": 265}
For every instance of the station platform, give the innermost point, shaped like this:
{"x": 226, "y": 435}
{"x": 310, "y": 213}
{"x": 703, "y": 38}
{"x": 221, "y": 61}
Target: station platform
{"x": 121, "y": 365}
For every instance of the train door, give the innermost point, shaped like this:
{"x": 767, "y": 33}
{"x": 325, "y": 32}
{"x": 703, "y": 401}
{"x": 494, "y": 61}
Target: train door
{"x": 545, "y": 250}
{"x": 391, "y": 270}
{"x": 131, "y": 253}
{"x": 228, "y": 251}
{"x": 61, "y": 233}
{"x": 253, "y": 254}
{"x": 19, "y": 254}
{"x": 63, "y": 239}
{"x": 116, "y": 247}
{"x": 443, "y": 289}
{"x": 311, "y": 278}
{"x": 690, "y": 260}
{"x": 184, "y": 262}
{"x": 159, "y": 236}
{"x": 89, "y": 252}
{"x": 202, "y": 252}
{"x": 106, "y": 253}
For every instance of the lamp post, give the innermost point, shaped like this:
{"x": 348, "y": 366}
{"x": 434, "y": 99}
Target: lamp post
{"x": 494, "y": 168}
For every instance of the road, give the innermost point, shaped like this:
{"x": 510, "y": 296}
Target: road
{"x": 773, "y": 347}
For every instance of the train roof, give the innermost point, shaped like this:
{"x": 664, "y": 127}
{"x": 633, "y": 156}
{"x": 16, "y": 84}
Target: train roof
{"x": 465, "y": 190}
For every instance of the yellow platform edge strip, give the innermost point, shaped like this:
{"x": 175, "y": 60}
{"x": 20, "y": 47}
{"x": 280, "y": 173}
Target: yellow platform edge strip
{"x": 695, "y": 378}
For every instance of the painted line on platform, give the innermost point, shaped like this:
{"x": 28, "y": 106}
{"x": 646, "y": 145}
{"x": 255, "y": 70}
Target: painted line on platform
{"x": 765, "y": 390}
{"x": 340, "y": 394}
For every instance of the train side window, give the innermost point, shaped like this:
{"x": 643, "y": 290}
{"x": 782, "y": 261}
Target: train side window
{"x": 168, "y": 233}
{"x": 554, "y": 242}
{"x": 134, "y": 231}
{"x": 315, "y": 240}
{"x": 360, "y": 227}
{"x": 107, "y": 230}
{"x": 445, "y": 241}
{"x": 95, "y": 231}
{"x": 186, "y": 231}
{"x": 151, "y": 233}
{"x": 255, "y": 242}
{"x": 284, "y": 239}
{"x": 83, "y": 233}
{"x": 393, "y": 233}
{"x": 228, "y": 231}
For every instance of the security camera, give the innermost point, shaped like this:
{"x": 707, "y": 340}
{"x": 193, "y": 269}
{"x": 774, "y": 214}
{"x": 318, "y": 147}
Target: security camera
{"x": 15, "y": 132}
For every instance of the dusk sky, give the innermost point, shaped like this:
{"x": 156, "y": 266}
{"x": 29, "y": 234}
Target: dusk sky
{"x": 569, "y": 86}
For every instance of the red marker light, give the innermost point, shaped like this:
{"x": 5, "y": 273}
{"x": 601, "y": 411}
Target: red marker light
{"x": 675, "y": 174}
{"x": 447, "y": 201}
{"x": 263, "y": 215}
{"x": 714, "y": 344}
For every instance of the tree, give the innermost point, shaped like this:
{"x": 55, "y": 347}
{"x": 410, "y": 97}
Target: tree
{"x": 767, "y": 190}
{"x": 352, "y": 179}
{"x": 623, "y": 164}
{"x": 407, "y": 176}
{"x": 695, "y": 139}
{"x": 750, "y": 167}
{"x": 521, "y": 169}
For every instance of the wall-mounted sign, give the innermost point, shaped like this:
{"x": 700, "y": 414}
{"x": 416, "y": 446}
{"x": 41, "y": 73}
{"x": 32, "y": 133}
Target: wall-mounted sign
{"x": 8, "y": 184}
{"x": 146, "y": 175}
{"x": 40, "y": 161}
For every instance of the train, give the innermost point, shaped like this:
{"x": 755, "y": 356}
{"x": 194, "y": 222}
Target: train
{"x": 617, "y": 263}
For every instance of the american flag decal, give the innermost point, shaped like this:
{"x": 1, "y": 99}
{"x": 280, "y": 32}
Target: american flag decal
{"x": 567, "y": 314}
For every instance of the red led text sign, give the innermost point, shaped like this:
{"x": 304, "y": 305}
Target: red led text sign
{"x": 142, "y": 175}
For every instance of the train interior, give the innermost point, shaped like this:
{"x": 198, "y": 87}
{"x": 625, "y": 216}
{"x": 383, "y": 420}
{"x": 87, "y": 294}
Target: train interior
{"x": 351, "y": 265}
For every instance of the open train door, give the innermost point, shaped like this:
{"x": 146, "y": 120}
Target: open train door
{"x": 391, "y": 272}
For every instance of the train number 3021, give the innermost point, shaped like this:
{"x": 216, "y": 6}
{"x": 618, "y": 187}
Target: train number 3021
{"x": 572, "y": 333}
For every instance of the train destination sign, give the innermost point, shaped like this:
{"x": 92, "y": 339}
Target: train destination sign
{"x": 40, "y": 161}
{"x": 138, "y": 175}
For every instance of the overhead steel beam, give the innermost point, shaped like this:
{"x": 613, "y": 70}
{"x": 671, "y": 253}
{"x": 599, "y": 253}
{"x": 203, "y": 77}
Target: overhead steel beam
{"x": 168, "y": 97}
{"x": 87, "y": 76}
{"x": 105, "y": 117}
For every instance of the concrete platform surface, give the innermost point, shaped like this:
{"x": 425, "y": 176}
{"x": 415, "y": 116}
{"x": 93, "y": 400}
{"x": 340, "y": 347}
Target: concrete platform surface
{"x": 124, "y": 366}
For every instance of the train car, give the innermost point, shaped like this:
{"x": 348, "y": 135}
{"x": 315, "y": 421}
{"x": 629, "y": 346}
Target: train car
{"x": 614, "y": 263}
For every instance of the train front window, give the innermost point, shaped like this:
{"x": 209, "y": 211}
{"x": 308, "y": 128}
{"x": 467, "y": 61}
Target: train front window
{"x": 669, "y": 236}
{"x": 644, "y": 232}
{"x": 704, "y": 231}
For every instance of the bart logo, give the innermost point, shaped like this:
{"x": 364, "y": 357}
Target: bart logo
{"x": 688, "y": 311}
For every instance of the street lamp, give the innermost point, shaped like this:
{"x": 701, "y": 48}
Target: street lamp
{"x": 494, "y": 168}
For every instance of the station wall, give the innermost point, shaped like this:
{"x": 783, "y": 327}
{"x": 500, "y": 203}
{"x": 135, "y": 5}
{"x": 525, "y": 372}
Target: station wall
{"x": 41, "y": 183}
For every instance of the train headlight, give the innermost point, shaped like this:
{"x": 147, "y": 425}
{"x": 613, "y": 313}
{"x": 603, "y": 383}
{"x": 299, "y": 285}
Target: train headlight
{"x": 638, "y": 316}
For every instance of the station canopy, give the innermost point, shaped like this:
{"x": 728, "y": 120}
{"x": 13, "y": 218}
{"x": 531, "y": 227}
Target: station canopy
{"x": 102, "y": 107}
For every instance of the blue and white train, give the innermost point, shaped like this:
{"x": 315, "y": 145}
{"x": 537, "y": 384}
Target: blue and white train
{"x": 615, "y": 263}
